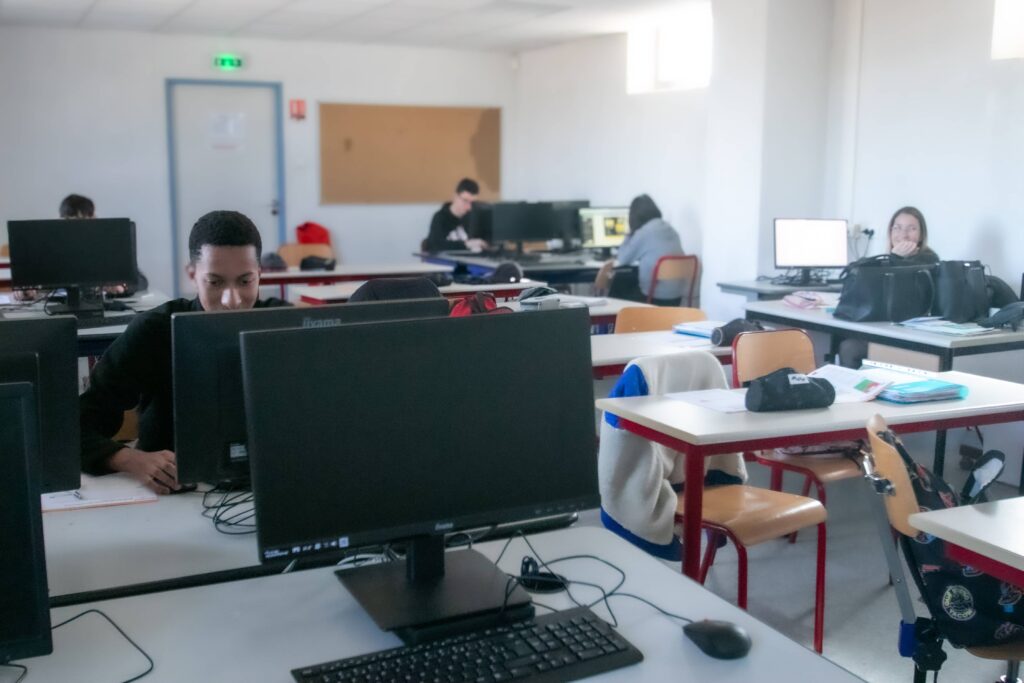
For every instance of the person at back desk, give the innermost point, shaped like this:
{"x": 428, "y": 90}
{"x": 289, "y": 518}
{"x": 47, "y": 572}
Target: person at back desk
{"x": 224, "y": 256}
{"x": 908, "y": 245}
{"x": 650, "y": 238}
{"x": 448, "y": 227}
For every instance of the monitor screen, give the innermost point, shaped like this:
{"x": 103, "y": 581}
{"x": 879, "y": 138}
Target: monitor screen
{"x": 480, "y": 221}
{"x": 24, "y": 600}
{"x": 209, "y": 419}
{"x": 524, "y": 221}
{"x": 44, "y": 351}
{"x": 602, "y": 228}
{"x": 567, "y": 218}
{"x": 418, "y": 429}
{"x": 50, "y": 254}
{"x": 810, "y": 243}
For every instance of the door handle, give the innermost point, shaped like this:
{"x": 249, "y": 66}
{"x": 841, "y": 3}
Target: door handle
{"x": 275, "y": 207}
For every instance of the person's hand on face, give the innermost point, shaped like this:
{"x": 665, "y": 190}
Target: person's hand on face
{"x": 904, "y": 248}
{"x": 157, "y": 471}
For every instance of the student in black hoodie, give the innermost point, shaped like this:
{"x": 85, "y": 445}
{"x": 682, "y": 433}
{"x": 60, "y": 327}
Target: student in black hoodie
{"x": 448, "y": 227}
{"x": 224, "y": 257}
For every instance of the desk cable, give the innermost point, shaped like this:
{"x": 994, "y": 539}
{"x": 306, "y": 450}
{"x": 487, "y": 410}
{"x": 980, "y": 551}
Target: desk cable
{"x": 233, "y": 513}
{"x": 22, "y": 667}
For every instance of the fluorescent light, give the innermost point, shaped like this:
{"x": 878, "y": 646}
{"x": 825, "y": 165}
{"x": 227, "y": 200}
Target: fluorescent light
{"x": 1008, "y": 29}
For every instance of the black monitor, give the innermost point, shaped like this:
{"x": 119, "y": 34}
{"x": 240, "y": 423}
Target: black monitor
{"x": 44, "y": 351}
{"x": 416, "y": 430}
{"x": 523, "y": 222}
{"x": 566, "y": 217}
{"x": 209, "y": 418}
{"x": 24, "y": 601}
{"x": 481, "y": 220}
{"x": 809, "y": 244}
{"x": 73, "y": 255}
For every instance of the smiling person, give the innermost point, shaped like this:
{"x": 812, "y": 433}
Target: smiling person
{"x": 908, "y": 237}
{"x": 224, "y": 263}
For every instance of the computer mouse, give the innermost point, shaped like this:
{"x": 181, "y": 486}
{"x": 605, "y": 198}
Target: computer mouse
{"x": 184, "y": 488}
{"x": 719, "y": 639}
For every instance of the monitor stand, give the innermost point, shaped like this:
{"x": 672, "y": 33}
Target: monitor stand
{"x": 86, "y": 307}
{"x": 433, "y": 594}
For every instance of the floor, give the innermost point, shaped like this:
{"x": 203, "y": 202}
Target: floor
{"x": 861, "y": 615}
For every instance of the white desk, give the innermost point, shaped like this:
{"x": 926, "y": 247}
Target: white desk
{"x": 610, "y": 353}
{"x": 766, "y": 290}
{"x": 334, "y": 294}
{"x": 601, "y": 314}
{"x": 987, "y": 536}
{"x": 699, "y": 432}
{"x": 555, "y": 268}
{"x": 260, "y": 629}
{"x": 349, "y": 273}
{"x": 111, "y": 547}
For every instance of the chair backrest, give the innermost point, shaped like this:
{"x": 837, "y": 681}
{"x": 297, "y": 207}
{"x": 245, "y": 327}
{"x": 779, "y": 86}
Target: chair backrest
{"x": 676, "y": 268}
{"x": 755, "y": 354}
{"x": 5, "y": 250}
{"x": 653, "y": 318}
{"x": 889, "y": 465}
{"x": 293, "y": 252}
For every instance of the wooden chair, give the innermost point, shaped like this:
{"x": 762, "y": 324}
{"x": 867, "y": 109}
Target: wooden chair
{"x": 654, "y": 318}
{"x": 294, "y": 252}
{"x": 755, "y": 354}
{"x": 5, "y": 250}
{"x": 748, "y": 515}
{"x": 900, "y": 503}
{"x": 685, "y": 268}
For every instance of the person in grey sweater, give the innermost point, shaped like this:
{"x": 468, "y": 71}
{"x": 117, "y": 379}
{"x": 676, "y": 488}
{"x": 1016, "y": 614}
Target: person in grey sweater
{"x": 650, "y": 238}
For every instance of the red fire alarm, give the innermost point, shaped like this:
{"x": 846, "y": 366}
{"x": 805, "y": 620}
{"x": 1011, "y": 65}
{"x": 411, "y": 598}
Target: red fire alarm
{"x": 297, "y": 109}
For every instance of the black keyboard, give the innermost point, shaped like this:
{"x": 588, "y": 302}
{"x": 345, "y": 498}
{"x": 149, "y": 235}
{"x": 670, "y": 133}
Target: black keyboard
{"x": 103, "y": 321}
{"x": 563, "y": 646}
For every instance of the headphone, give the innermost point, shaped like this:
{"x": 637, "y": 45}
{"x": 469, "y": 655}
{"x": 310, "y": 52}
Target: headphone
{"x": 533, "y": 579}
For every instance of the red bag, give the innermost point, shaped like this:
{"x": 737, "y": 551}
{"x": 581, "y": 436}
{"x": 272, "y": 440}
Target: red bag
{"x": 312, "y": 233}
{"x": 481, "y": 302}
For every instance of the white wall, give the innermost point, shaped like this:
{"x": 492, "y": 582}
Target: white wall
{"x": 938, "y": 126}
{"x": 83, "y": 111}
{"x": 579, "y": 135}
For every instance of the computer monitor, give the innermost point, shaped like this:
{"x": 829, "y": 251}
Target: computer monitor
{"x": 24, "y": 600}
{"x": 480, "y": 221}
{"x": 809, "y": 243}
{"x": 566, "y": 217}
{"x": 419, "y": 429}
{"x": 44, "y": 351}
{"x": 209, "y": 418}
{"x": 604, "y": 227}
{"x": 73, "y": 255}
{"x": 523, "y": 222}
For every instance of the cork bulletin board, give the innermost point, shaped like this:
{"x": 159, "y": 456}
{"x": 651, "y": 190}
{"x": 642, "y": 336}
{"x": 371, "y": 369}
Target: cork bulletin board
{"x": 381, "y": 154}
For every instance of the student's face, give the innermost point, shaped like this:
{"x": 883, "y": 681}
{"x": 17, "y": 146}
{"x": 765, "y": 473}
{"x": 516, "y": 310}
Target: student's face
{"x": 905, "y": 228}
{"x": 462, "y": 203}
{"x": 227, "y": 278}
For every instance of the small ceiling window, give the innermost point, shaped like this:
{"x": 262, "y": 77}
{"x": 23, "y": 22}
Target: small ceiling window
{"x": 1008, "y": 30}
{"x": 670, "y": 51}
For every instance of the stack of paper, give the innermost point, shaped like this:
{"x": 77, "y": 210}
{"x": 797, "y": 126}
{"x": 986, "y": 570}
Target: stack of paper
{"x": 851, "y": 386}
{"x": 936, "y": 324}
{"x": 110, "y": 489}
{"x": 909, "y": 385}
{"x": 699, "y": 328}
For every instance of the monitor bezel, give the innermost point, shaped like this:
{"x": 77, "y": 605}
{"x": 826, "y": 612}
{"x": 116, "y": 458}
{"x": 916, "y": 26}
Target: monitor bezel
{"x": 127, "y": 272}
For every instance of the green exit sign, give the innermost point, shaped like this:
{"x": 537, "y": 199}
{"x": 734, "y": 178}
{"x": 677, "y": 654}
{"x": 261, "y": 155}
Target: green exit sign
{"x": 227, "y": 62}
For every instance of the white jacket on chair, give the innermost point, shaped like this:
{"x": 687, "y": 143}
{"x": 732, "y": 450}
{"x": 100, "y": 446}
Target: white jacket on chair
{"x": 635, "y": 476}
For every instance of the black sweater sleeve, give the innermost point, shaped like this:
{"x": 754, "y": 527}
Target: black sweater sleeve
{"x": 128, "y": 369}
{"x": 437, "y": 239}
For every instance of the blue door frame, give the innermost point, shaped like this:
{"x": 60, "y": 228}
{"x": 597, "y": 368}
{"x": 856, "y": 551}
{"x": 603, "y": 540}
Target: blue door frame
{"x": 173, "y": 166}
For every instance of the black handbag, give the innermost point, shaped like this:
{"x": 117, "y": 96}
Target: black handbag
{"x": 961, "y": 294}
{"x": 880, "y": 288}
{"x": 787, "y": 389}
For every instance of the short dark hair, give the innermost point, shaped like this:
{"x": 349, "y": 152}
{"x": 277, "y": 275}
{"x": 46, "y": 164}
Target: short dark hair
{"x": 467, "y": 185}
{"x": 223, "y": 229}
{"x": 641, "y": 211}
{"x": 77, "y": 206}
{"x": 916, "y": 213}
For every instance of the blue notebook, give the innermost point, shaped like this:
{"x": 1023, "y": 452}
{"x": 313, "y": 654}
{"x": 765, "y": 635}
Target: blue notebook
{"x": 922, "y": 390}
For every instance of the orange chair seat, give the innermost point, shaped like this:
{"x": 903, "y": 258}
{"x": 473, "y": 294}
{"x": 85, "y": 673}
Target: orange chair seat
{"x": 825, "y": 469}
{"x": 754, "y": 515}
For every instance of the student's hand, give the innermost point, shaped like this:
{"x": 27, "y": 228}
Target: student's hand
{"x": 24, "y": 294}
{"x": 604, "y": 278}
{"x": 904, "y": 248}
{"x": 476, "y": 244}
{"x": 116, "y": 290}
{"x": 157, "y": 471}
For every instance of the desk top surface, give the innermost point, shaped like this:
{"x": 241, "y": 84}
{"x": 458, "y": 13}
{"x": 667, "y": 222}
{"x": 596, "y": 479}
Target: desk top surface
{"x": 989, "y": 529}
{"x": 259, "y": 629}
{"x": 894, "y": 331}
{"x": 344, "y": 290}
{"x": 547, "y": 261}
{"x": 139, "y": 303}
{"x": 769, "y": 287}
{"x": 364, "y": 271}
{"x": 617, "y": 349}
{"x": 698, "y": 425}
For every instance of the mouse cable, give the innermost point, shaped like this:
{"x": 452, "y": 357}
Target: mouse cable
{"x": 24, "y": 670}
{"x": 119, "y": 630}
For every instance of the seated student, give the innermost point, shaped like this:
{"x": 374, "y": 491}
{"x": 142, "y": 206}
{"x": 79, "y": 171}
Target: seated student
{"x": 448, "y": 227}
{"x": 77, "y": 206}
{"x": 908, "y": 244}
{"x": 224, "y": 255}
{"x": 649, "y": 239}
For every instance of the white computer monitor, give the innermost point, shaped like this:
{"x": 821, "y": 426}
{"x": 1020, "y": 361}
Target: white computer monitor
{"x": 809, "y": 243}
{"x": 603, "y": 228}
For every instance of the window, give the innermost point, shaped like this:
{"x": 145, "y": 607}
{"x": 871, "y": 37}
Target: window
{"x": 1008, "y": 30}
{"x": 670, "y": 51}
